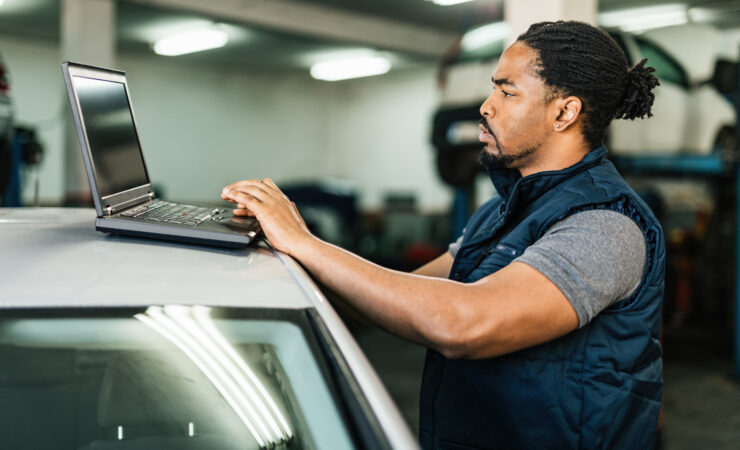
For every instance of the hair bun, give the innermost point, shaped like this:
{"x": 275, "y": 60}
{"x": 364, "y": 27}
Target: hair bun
{"x": 638, "y": 98}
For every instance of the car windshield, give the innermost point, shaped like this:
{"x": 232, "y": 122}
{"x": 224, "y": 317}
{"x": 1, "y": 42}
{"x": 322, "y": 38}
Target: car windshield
{"x": 175, "y": 377}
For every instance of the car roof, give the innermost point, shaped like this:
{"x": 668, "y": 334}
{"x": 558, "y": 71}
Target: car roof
{"x": 53, "y": 257}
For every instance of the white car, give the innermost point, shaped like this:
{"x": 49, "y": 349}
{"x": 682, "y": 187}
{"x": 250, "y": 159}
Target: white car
{"x": 689, "y": 116}
{"x": 110, "y": 342}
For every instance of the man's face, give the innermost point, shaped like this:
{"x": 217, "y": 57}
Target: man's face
{"x": 514, "y": 123}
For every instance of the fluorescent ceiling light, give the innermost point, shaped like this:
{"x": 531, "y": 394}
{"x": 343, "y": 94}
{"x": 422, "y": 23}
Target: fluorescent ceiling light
{"x": 483, "y": 35}
{"x": 344, "y": 69}
{"x": 449, "y": 2}
{"x": 190, "y": 329}
{"x": 156, "y": 319}
{"x": 639, "y": 19}
{"x": 704, "y": 14}
{"x": 190, "y": 42}
{"x": 201, "y": 314}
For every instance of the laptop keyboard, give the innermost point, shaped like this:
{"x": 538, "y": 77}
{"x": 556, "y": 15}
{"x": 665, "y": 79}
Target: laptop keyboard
{"x": 162, "y": 211}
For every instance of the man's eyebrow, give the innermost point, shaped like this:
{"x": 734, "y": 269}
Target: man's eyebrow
{"x": 503, "y": 81}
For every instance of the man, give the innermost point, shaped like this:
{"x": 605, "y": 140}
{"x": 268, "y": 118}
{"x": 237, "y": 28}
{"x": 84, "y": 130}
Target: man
{"x": 543, "y": 319}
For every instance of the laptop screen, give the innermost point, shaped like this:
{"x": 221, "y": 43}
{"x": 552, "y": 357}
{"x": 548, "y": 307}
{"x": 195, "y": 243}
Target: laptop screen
{"x": 114, "y": 144}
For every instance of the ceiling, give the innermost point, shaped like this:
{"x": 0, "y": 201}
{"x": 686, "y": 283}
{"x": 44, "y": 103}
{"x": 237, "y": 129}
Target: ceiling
{"x": 267, "y": 41}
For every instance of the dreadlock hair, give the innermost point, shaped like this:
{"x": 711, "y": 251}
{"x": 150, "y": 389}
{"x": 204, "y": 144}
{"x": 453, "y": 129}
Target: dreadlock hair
{"x": 575, "y": 58}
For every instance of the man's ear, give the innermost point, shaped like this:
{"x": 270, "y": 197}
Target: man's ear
{"x": 568, "y": 110}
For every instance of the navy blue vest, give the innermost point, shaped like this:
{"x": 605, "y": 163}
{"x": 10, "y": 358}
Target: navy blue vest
{"x": 597, "y": 387}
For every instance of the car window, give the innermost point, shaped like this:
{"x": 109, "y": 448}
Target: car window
{"x": 666, "y": 68}
{"x": 168, "y": 377}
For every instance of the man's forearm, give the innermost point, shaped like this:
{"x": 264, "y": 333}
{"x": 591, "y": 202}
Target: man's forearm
{"x": 413, "y": 307}
{"x": 513, "y": 308}
{"x": 439, "y": 267}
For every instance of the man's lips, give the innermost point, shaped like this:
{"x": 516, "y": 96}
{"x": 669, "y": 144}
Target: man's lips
{"x": 485, "y": 136}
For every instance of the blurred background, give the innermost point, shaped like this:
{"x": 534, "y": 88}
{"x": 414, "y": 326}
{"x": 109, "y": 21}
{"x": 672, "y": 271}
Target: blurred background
{"x": 365, "y": 113}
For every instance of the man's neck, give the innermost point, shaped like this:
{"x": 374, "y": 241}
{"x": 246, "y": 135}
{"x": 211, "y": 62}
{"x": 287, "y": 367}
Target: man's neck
{"x": 557, "y": 155}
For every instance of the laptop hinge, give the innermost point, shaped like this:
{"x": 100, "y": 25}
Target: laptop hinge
{"x": 110, "y": 209}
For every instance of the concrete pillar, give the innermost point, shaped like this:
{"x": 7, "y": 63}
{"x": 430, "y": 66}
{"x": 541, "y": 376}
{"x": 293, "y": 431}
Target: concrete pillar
{"x": 88, "y": 36}
{"x": 520, "y": 14}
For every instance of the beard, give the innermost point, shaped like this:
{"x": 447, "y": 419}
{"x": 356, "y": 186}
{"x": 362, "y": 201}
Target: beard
{"x": 501, "y": 160}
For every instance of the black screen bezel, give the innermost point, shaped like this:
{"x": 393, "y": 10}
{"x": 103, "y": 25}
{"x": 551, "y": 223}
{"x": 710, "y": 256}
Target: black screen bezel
{"x": 111, "y": 202}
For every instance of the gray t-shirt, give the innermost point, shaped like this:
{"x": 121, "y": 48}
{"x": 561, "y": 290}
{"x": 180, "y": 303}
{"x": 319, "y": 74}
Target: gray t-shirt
{"x": 596, "y": 258}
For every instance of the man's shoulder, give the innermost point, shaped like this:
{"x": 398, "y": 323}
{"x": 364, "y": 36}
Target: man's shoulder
{"x": 602, "y": 179}
{"x": 602, "y": 221}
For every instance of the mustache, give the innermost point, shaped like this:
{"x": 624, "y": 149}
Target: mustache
{"x": 484, "y": 123}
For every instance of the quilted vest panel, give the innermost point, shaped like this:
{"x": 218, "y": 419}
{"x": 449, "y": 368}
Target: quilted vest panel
{"x": 599, "y": 386}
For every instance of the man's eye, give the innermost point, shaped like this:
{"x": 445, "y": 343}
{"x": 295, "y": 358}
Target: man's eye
{"x": 503, "y": 92}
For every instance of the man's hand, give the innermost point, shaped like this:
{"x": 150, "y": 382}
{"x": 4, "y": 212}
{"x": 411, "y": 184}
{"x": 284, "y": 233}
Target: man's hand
{"x": 278, "y": 216}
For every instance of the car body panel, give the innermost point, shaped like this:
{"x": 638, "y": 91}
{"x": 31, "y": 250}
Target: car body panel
{"x": 358, "y": 363}
{"x": 54, "y": 258}
{"x": 712, "y": 112}
{"x": 695, "y": 46}
{"x": 662, "y": 134}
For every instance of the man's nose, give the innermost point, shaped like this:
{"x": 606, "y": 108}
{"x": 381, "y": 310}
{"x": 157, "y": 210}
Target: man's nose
{"x": 487, "y": 109}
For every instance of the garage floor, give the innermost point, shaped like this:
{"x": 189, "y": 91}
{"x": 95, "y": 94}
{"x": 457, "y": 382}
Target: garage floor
{"x": 701, "y": 401}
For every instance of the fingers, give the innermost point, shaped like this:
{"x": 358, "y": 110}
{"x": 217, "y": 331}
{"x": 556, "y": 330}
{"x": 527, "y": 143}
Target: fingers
{"x": 243, "y": 183}
{"x": 258, "y": 192}
{"x": 266, "y": 184}
{"x": 223, "y": 196}
{"x": 246, "y": 201}
{"x": 244, "y": 212}
{"x": 249, "y": 195}
{"x": 225, "y": 192}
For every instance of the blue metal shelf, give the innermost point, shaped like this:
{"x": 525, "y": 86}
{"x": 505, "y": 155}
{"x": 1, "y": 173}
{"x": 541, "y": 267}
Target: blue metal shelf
{"x": 680, "y": 164}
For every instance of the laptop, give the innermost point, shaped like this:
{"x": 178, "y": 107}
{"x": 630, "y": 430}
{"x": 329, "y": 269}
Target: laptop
{"x": 121, "y": 188}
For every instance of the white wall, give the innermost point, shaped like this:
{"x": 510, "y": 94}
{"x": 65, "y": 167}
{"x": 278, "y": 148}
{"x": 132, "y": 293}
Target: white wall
{"x": 381, "y": 135}
{"x": 202, "y": 128}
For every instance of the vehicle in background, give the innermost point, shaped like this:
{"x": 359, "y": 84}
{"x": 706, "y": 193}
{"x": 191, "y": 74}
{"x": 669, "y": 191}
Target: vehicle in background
{"x": 121, "y": 343}
{"x": 689, "y": 115}
{"x": 6, "y": 128}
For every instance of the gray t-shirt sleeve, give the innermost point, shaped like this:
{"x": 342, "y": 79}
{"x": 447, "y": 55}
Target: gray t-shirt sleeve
{"x": 454, "y": 247}
{"x": 596, "y": 258}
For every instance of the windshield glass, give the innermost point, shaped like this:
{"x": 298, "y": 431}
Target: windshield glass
{"x": 177, "y": 377}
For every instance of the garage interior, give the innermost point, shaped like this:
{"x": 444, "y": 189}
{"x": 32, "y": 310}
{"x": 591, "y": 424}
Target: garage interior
{"x": 382, "y": 165}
